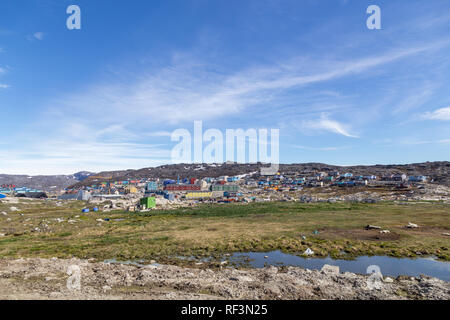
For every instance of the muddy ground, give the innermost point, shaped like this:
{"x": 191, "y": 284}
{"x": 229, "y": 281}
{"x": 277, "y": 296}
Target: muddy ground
{"x": 48, "y": 279}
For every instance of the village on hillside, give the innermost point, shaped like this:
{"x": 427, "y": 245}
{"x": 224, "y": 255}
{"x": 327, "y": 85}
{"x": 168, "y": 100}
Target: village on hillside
{"x": 304, "y": 186}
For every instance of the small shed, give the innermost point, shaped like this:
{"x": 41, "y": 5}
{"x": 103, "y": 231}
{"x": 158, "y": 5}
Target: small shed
{"x": 148, "y": 202}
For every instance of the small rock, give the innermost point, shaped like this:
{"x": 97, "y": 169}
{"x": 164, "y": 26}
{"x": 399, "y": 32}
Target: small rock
{"x": 244, "y": 279}
{"x": 385, "y": 231}
{"x": 411, "y": 225}
{"x": 330, "y": 269}
{"x": 272, "y": 270}
{"x": 388, "y": 280}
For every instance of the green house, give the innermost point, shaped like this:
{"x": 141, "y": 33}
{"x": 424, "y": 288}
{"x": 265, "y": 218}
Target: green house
{"x": 148, "y": 202}
{"x": 225, "y": 187}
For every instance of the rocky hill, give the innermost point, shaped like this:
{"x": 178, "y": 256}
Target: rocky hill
{"x": 438, "y": 172}
{"x": 46, "y": 183}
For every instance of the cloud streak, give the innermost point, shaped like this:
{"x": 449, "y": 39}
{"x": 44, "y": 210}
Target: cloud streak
{"x": 442, "y": 114}
{"x": 179, "y": 93}
{"x": 327, "y": 125}
{"x": 39, "y": 35}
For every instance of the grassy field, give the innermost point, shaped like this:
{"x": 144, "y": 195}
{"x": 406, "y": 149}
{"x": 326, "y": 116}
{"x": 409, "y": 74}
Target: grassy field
{"x": 43, "y": 229}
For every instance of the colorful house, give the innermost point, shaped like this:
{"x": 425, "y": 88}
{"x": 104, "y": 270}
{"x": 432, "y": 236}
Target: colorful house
{"x": 148, "y": 202}
{"x": 198, "y": 195}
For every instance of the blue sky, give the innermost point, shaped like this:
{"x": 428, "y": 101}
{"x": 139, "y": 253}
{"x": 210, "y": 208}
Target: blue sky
{"x": 108, "y": 96}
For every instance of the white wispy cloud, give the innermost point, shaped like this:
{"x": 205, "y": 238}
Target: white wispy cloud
{"x": 411, "y": 141}
{"x": 159, "y": 134}
{"x": 328, "y": 125}
{"x": 66, "y": 157}
{"x": 439, "y": 114}
{"x": 3, "y": 71}
{"x": 415, "y": 98}
{"x": 36, "y": 36}
{"x": 180, "y": 93}
{"x": 421, "y": 142}
{"x": 322, "y": 148}
{"x": 39, "y": 35}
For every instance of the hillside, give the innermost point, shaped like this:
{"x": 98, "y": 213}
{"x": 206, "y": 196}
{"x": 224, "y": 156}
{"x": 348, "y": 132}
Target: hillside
{"x": 439, "y": 172}
{"x": 46, "y": 183}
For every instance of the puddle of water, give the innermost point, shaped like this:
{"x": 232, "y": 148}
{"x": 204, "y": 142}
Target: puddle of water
{"x": 389, "y": 266}
{"x": 138, "y": 263}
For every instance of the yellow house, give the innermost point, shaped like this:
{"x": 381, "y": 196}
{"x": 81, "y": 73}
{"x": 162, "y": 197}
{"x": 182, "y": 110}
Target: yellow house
{"x": 131, "y": 189}
{"x": 198, "y": 195}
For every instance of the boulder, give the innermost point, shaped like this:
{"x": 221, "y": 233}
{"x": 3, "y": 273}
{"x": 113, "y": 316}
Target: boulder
{"x": 411, "y": 225}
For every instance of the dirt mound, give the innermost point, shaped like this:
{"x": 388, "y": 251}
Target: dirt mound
{"x": 48, "y": 279}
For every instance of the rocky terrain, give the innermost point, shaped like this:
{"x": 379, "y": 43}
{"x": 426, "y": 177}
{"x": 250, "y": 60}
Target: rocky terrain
{"x": 49, "y": 279}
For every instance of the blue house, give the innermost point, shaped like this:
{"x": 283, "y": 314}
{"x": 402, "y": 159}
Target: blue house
{"x": 417, "y": 178}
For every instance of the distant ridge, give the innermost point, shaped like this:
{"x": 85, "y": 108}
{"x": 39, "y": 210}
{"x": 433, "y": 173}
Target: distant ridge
{"x": 45, "y": 183}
